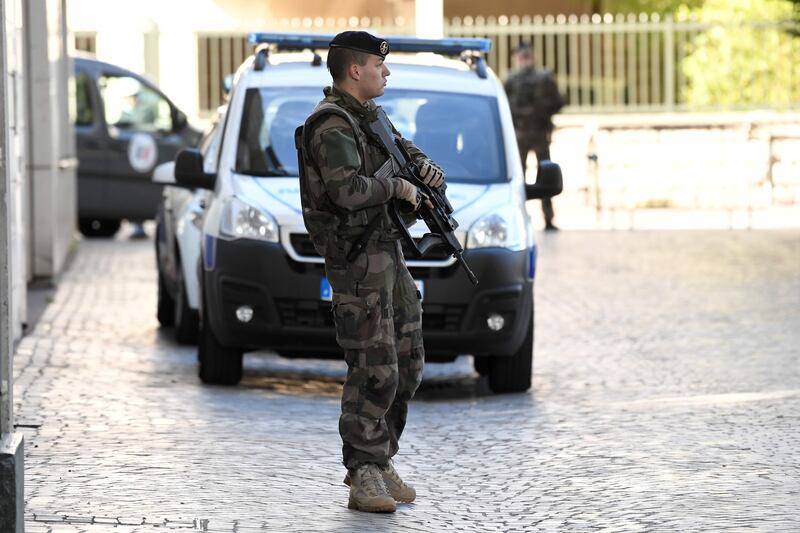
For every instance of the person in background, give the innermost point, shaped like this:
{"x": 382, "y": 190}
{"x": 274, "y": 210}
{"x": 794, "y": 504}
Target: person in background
{"x": 534, "y": 98}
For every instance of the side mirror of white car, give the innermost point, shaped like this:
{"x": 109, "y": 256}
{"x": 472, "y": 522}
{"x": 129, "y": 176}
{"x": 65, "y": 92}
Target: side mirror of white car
{"x": 189, "y": 170}
{"x": 548, "y": 182}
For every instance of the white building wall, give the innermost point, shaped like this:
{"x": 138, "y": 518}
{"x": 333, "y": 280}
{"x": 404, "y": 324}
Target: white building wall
{"x": 16, "y": 161}
{"x": 51, "y": 138}
{"x": 66, "y": 184}
{"x": 121, "y": 39}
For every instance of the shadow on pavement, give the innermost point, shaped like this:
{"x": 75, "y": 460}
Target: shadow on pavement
{"x": 293, "y": 384}
{"x": 321, "y": 377}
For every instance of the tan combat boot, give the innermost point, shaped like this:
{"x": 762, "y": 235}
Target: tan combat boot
{"x": 368, "y": 492}
{"x": 399, "y": 490}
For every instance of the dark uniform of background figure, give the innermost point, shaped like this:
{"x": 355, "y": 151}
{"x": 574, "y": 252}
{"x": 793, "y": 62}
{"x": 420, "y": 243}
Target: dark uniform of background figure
{"x": 348, "y": 181}
{"x": 534, "y": 99}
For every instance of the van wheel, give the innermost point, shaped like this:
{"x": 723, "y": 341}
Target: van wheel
{"x": 219, "y": 365}
{"x": 98, "y": 227}
{"x": 513, "y": 374}
{"x": 166, "y": 305}
{"x": 186, "y": 319}
{"x": 482, "y": 365}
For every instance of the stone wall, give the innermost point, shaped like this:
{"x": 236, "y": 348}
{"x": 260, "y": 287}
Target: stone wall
{"x": 695, "y": 161}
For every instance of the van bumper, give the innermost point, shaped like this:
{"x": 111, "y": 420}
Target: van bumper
{"x": 290, "y": 317}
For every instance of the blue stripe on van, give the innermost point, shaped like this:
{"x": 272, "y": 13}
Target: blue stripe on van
{"x": 532, "y": 253}
{"x": 209, "y": 252}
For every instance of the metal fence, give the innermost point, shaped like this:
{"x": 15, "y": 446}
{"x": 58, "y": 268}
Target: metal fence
{"x": 627, "y": 62}
{"x": 85, "y": 41}
{"x": 608, "y": 63}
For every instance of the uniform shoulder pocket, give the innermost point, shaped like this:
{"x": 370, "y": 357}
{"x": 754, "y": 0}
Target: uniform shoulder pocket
{"x": 340, "y": 149}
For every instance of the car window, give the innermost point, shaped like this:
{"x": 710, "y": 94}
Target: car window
{"x": 130, "y": 104}
{"x": 81, "y": 112}
{"x": 266, "y": 137}
{"x": 460, "y": 132}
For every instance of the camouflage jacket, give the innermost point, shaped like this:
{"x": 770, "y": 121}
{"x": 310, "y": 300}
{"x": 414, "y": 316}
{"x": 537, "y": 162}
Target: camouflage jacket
{"x": 348, "y": 178}
{"x": 534, "y": 98}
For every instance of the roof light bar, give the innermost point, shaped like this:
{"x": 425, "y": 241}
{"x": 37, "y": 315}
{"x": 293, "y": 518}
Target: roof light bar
{"x": 447, "y": 46}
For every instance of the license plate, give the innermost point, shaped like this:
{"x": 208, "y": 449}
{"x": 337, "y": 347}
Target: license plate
{"x": 326, "y": 292}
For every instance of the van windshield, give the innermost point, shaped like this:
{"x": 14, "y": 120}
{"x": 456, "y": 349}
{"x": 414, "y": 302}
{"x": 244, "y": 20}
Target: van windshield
{"x": 460, "y": 132}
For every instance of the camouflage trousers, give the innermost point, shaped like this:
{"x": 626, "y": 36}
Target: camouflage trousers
{"x": 378, "y": 319}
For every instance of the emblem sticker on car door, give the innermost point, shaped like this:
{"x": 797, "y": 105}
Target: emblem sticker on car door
{"x": 142, "y": 152}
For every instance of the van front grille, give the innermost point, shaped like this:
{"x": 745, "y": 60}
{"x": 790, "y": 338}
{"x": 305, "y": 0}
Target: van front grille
{"x": 301, "y": 243}
{"x": 318, "y": 314}
{"x": 309, "y": 313}
{"x": 442, "y": 317}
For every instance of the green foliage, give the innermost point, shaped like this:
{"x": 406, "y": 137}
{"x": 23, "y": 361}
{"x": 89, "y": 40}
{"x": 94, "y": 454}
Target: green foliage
{"x": 750, "y": 55}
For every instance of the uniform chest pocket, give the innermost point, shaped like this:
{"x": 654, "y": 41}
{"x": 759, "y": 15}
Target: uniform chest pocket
{"x": 358, "y": 320}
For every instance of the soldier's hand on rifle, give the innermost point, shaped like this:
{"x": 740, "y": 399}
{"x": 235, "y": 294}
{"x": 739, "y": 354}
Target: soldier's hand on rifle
{"x": 404, "y": 190}
{"x": 432, "y": 175}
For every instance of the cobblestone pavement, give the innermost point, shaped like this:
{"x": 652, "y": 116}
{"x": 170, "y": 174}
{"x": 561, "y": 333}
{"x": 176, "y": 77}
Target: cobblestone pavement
{"x": 666, "y": 397}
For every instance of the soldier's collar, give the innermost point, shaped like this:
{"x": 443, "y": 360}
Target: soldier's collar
{"x": 346, "y": 100}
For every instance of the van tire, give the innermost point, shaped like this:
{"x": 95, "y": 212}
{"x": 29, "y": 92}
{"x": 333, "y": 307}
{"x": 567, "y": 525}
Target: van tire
{"x": 165, "y": 311}
{"x": 186, "y": 319}
{"x": 98, "y": 227}
{"x": 482, "y": 365}
{"x": 513, "y": 373}
{"x": 219, "y": 365}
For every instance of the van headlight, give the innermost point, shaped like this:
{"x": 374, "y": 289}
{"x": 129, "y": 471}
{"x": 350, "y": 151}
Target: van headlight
{"x": 241, "y": 220}
{"x": 502, "y": 228}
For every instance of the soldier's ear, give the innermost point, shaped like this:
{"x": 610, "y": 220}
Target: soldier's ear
{"x": 354, "y": 71}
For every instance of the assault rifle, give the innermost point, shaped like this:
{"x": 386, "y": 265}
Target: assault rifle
{"x": 438, "y": 218}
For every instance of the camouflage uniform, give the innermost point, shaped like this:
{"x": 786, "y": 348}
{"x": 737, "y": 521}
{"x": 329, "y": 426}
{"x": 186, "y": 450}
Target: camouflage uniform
{"x": 376, "y": 305}
{"x": 534, "y": 98}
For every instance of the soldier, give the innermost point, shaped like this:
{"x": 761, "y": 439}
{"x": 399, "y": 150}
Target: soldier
{"x": 534, "y": 99}
{"x": 346, "y": 182}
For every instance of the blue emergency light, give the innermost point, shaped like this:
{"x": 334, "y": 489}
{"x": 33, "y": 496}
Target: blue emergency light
{"x": 313, "y": 41}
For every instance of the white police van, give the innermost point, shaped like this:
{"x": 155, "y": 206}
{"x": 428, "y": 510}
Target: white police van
{"x": 261, "y": 283}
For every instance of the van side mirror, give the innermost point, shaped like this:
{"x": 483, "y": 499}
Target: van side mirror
{"x": 548, "y": 182}
{"x": 189, "y": 170}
